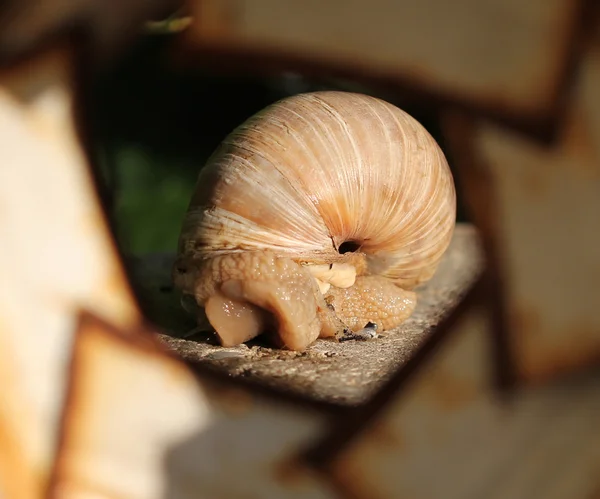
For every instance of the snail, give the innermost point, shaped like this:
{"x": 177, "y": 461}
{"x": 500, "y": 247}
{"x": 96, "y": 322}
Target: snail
{"x": 316, "y": 216}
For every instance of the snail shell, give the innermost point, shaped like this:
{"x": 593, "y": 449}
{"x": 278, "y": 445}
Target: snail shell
{"x": 321, "y": 212}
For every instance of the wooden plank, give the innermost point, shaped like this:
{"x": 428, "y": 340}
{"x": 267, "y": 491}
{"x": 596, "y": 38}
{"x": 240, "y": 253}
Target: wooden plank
{"x": 56, "y": 255}
{"x": 139, "y": 426}
{"x": 543, "y": 221}
{"x": 503, "y": 56}
{"x": 95, "y": 407}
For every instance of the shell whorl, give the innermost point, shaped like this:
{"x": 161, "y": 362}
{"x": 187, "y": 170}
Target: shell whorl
{"x": 315, "y": 170}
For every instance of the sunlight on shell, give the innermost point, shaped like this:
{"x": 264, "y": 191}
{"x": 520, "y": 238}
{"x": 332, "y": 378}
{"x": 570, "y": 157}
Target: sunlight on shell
{"x": 297, "y": 181}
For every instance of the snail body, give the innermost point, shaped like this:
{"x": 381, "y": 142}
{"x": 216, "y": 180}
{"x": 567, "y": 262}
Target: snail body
{"x": 320, "y": 213}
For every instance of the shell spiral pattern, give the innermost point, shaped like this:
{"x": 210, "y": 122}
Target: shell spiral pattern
{"x": 317, "y": 215}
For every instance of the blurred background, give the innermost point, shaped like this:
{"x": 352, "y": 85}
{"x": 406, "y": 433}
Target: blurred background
{"x": 155, "y": 123}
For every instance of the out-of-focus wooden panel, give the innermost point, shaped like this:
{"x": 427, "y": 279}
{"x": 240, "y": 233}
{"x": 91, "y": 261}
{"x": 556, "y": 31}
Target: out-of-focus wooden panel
{"x": 24, "y": 24}
{"x": 138, "y": 425}
{"x": 56, "y": 255}
{"x": 127, "y": 404}
{"x": 508, "y": 56}
{"x": 545, "y": 223}
{"x": 450, "y": 435}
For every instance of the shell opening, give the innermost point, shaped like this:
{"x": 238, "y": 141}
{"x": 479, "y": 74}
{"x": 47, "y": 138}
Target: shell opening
{"x": 348, "y": 247}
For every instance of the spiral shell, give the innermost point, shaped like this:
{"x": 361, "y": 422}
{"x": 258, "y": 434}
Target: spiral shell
{"x": 319, "y": 213}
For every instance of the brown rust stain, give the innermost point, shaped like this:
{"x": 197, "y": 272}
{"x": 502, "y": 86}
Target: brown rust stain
{"x": 89, "y": 332}
{"x": 234, "y": 402}
{"x": 18, "y": 478}
{"x": 449, "y": 392}
{"x": 289, "y": 472}
{"x": 578, "y": 346}
{"x": 534, "y": 183}
{"x": 352, "y": 479}
{"x": 93, "y": 221}
{"x": 383, "y": 436}
{"x": 292, "y": 473}
{"x": 578, "y": 142}
{"x": 595, "y": 492}
{"x": 217, "y": 18}
{"x": 525, "y": 320}
{"x": 25, "y": 83}
{"x": 49, "y": 66}
{"x": 92, "y": 334}
{"x": 116, "y": 283}
{"x": 547, "y": 363}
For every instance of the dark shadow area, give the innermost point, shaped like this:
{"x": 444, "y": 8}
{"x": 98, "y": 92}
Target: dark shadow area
{"x": 155, "y": 125}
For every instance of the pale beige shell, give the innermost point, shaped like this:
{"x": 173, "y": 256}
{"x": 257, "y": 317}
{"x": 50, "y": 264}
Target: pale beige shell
{"x": 312, "y": 172}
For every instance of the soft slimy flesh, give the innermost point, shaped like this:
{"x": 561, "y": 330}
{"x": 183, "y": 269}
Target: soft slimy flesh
{"x": 235, "y": 321}
{"x": 226, "y": 284}
{"x": 372, "y": 299}
{"x": 246, "y": 294}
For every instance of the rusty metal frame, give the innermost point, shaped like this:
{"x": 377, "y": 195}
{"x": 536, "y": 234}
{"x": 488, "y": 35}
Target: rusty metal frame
{"x": 333, "y": 439}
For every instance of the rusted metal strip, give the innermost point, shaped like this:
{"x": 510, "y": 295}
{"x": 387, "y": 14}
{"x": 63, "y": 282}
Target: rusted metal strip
{"x": 390, "y": 47}
{"x": 544, "y": 230}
